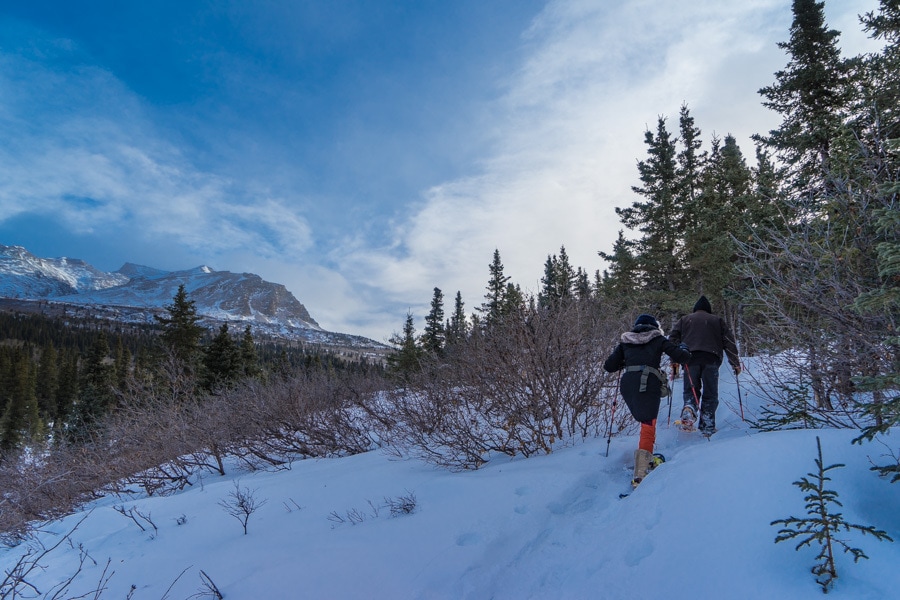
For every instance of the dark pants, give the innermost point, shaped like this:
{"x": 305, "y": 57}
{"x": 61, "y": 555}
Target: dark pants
{"x": 704, "y": 379}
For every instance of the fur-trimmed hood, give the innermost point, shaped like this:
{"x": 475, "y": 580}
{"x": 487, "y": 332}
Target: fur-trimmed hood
{"x": 640, "y": 337}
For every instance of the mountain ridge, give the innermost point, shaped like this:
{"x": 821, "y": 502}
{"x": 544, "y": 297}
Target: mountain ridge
{"x": 135, "y": 293}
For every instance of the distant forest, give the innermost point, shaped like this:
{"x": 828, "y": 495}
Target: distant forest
{"x": 46, "y": 364}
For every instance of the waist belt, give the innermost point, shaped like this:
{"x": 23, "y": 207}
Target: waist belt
{"x": 645, "y": 372}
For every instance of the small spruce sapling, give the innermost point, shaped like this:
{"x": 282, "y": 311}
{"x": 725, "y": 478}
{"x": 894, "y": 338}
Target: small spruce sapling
{"x": 822, "y": 525}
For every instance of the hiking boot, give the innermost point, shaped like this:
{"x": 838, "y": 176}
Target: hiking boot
{"x": 642, "y": 462}
{"x": 707, "y": 424}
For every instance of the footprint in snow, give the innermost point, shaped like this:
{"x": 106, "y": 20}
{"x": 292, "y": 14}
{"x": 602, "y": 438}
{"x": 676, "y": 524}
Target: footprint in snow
{"x": 468, "y": 539}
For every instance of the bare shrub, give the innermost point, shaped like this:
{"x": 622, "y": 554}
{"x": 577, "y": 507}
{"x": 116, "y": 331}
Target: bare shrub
{"x": 43, "y": 488}
{"x": 402, "y": 505}
{"x": 786, "y": 381}
{"x": 208, "y": 588}
{"x": 519, "y": 388}
{"x": 152, "y": 436}
{"x": 314, "y": 414}
{"x": 399, "y": 506}
{"x": 163, "y": 434}
{"x": 806, "y": 282}
{"x": 18, "y": 581}
{"x": 241, "y": 503}
{"x": 137, "y": 517}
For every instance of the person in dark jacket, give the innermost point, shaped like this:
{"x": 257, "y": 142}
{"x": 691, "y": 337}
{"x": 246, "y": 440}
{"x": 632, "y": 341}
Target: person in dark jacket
{"x": 642, "y": 385}
{"x": 707, "y": 335}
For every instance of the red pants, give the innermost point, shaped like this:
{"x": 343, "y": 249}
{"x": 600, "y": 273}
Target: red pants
{"x": 648, "y": 436}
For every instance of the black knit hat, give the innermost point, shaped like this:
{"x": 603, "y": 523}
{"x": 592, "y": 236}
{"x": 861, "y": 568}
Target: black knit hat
{"x": 703, "y": 304}
{"x": 646, "y": 320}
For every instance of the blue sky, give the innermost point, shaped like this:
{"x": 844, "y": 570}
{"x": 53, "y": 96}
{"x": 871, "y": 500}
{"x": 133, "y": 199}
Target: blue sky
{"x": 361, "y": 152}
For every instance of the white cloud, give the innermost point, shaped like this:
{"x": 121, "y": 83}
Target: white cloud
{"x": 92, "y": 159}
{"x": 569, "y": 130}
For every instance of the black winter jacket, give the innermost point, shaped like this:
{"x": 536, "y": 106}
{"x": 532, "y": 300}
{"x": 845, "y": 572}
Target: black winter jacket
{"x": 643, "y": 347}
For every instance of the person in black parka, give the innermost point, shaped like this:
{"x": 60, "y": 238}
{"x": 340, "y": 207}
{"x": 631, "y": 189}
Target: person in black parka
{"x": 642, "y": 385}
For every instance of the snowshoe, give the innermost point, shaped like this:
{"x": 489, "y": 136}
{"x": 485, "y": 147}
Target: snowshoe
{"x": 688, "y": 418}
{"x": 707, "y": 431}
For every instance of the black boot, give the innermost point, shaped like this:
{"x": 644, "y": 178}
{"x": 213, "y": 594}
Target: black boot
{"x": 707, "y": 423}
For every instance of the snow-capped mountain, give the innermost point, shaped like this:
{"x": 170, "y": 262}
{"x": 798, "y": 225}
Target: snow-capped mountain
{"x": 220, "y": 295}
{"x": 136, "y": 293}
{"x": 24, "y": 275}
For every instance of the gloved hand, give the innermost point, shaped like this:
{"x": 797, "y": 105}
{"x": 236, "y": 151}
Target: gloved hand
{"x": 737, "y": 370}
{"x": 683, "y": 346}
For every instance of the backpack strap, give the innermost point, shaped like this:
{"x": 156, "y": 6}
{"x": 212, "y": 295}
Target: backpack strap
{"x": 646, "y": 370}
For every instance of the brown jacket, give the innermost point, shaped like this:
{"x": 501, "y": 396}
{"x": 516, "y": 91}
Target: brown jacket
{"x": 701, "y": 331}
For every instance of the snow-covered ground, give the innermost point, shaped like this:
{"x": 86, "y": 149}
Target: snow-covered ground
{"x": 543, "y": 527}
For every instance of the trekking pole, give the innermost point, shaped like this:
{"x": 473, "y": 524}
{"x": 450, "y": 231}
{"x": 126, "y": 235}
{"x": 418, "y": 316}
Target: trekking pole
{"x": 671, "y": 385}
{"x": 693, "y": 387}
{"x": 612, "y": 418}
{"x": 737, "y": 337}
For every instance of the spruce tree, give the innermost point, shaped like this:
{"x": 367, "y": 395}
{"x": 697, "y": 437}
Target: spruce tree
{"x": 690, "y": 167}
{"x": 547, "y": 296}
{"x": 48, "y": 382}
{"x": 767, "y": 181}
{"x": 181, "y": 331}
{"x": 582, "y": 285}
{"x": 565, "y": 276}
{"x": 249, "y": 358}
{"x": 434, "y": 336}
{"x": 621, "y": 283}
{"x": 221, "y": 360}
{"x": 513, "y": 301}
{"x": 811, "y": 95}
{"x": 823, "y": 525}
{"x": 122, "y": 364}
{"x": 494, "y": 303}
{"x": 407, "y": 355}
{"x": 721, "y": 209}
{"x": 884, "y": 300}
{"x": 658, "y": 218}
{"x": 458, "y": 325}
{"x": 559, "y": 280}
{"x": 814, "y": 274}
{"x": 67, "y": 390}
{"x": 878, "y": 120}
{"x": 20, "y": 421}
{"x": 95, "y": 398}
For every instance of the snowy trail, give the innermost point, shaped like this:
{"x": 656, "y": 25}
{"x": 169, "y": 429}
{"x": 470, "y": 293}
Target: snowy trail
{"x": 544, "y": 527}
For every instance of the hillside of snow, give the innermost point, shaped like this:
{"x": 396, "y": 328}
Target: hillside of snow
{"x": 544, "y": 527}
